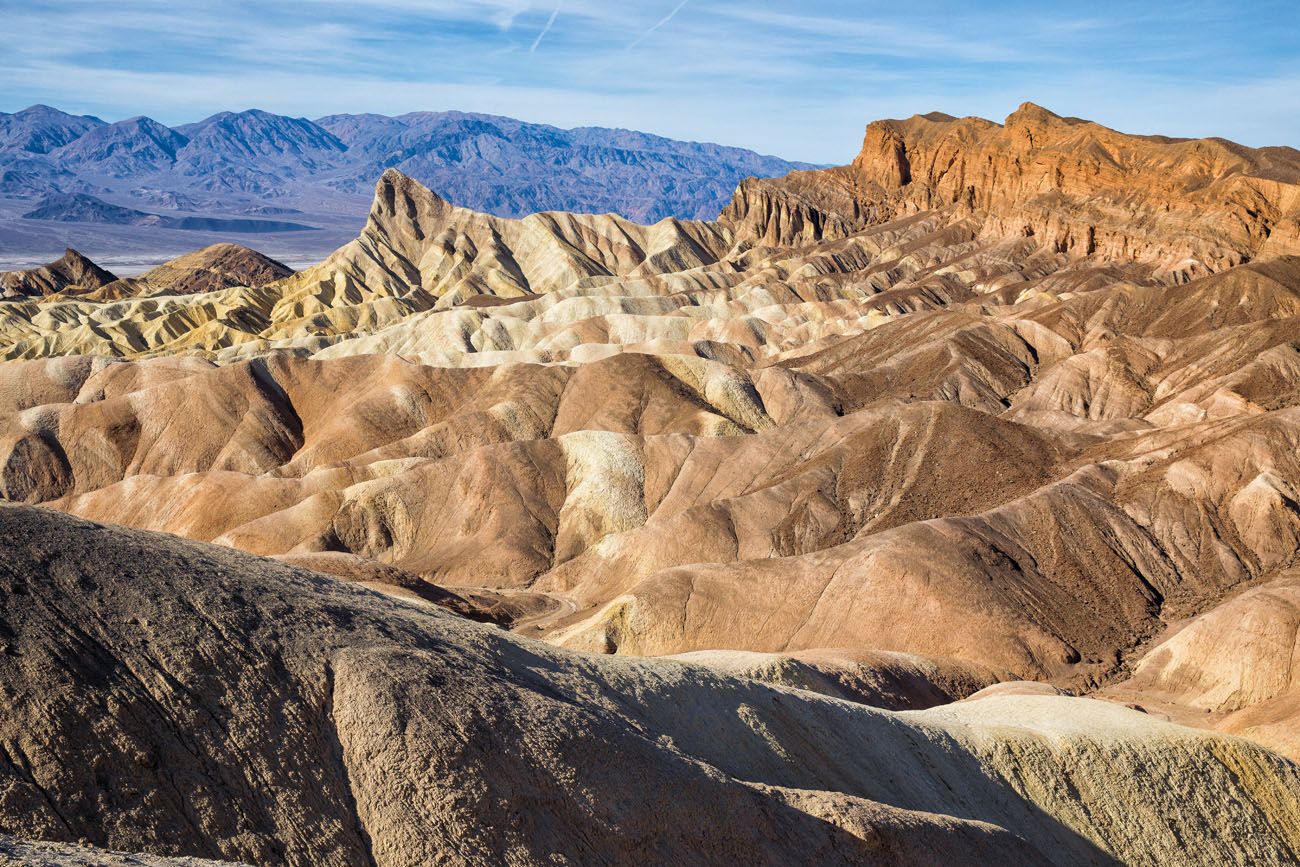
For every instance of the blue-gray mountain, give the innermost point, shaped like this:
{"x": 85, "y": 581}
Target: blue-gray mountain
{"x": 83, "y": 208}
{"x": 232, "y": 162}
{"x": 40, "y": 129}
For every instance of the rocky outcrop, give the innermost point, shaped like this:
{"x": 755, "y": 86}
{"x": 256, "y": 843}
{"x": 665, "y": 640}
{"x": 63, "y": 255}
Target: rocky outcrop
{"x": 714, "y": 457}
{"x": 219, "y": 266}
{"x": 936, "y": 210}
{"x": 799, "y": 209}
{"x": 417, "y": 246}
{"x": 72, "y": 274}
{"x": 1233, "y": 667}
{"x": 863, "y": 439}
{"x": 1184, "y": 207}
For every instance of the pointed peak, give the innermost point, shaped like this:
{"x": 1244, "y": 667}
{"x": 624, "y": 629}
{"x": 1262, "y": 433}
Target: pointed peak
{"x": 77, "y": 262}
{"x": 1030, "y": 112}
{"x": 394, "y": 179}
{"x": 70, "y": 272}
{"x": 397, "y": 194}
{"x": 42, "y": 108}
{"x": 83, "y": 262}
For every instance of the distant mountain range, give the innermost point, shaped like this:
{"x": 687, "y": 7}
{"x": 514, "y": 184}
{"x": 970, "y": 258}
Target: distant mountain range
{"x": 84, "y": 208}
{"x": 233, "y": 162}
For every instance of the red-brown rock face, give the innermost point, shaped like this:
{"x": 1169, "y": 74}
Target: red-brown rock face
{"x": 1185, "y": 207}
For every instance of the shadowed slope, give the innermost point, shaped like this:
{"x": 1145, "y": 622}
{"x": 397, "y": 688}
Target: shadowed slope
{"x": 219, "y": 266}
{"x": 73, "y": 274}
{"x": 245, "y": 709}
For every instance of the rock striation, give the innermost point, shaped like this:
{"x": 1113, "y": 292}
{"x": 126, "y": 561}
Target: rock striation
{"x": 1184, "y": 207}
{"x": 219, "y": 266}
{"x": 71, "y": 274}
{"x": 299, "y": 720}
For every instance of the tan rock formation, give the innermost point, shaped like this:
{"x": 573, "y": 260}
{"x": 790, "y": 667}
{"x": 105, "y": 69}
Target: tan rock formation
{"x": 613, "y": 494}
{"x": 1186, "y": 207}
{"x": 219, "y": 266}
{"x": 1233, "y": 668}
{"x": 300, "y": 720}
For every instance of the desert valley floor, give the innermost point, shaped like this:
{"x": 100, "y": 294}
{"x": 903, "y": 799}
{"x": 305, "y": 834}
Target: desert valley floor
{"x": 941, "y": 508}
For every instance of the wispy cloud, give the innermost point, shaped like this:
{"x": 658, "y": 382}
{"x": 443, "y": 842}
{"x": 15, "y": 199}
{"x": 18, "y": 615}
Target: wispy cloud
{"x": 758, "y": 73}
{"x": 660, "y": 23}
{"x": 545, "y": 29}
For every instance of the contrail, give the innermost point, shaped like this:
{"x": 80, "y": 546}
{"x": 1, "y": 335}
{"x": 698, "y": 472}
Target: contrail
{"x": 546, "y": 29}
{"x": 660, "y": 23}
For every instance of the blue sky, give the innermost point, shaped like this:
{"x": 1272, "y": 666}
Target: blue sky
{"x": 795, "y": 79}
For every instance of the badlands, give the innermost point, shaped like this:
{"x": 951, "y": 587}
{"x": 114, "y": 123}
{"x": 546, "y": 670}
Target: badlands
{"x": 940, "y": 508}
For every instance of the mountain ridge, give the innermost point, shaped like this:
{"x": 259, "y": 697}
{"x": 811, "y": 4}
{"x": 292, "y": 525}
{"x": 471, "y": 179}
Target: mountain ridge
{"x": 85, "y": 208}
{"x": 41, "y": 128}
{"x": 486, "y": 162}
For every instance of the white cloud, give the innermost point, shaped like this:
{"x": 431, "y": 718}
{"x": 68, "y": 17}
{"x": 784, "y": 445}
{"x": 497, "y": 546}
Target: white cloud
{"x": 660, "y": 23}
{"x": 546, "y": 28}
{"x": 758, "y": 74}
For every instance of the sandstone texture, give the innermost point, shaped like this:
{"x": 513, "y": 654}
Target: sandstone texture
{"x": 47, "y": 854}
{"x": 247, "y": 710}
